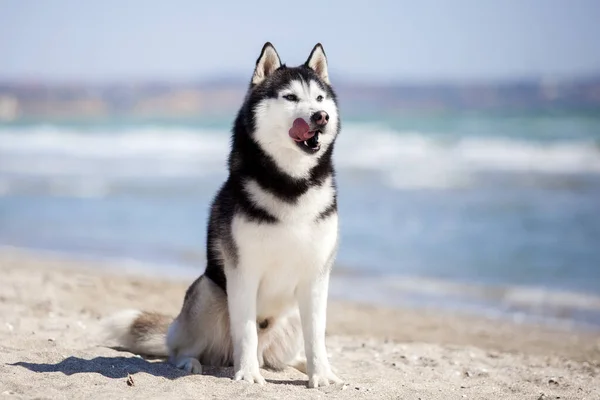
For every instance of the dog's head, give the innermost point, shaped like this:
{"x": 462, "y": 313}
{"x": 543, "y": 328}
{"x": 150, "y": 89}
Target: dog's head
{"x": 293, "y": 109}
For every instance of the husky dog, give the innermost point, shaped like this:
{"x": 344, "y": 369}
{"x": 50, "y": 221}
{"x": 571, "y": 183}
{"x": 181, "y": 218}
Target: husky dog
{"x": 272, "y": 238}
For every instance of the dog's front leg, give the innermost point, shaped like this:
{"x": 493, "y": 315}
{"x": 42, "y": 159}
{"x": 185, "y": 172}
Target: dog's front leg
{"x": 241, "y": 296}
{"x": 312, "y": 301}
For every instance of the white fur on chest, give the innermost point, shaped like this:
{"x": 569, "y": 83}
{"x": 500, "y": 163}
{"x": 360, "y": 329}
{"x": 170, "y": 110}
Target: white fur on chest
{"x": 298, "y": 247}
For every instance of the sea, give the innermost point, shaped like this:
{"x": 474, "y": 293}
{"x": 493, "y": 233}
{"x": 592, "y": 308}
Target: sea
{"x": 491, "y": 213}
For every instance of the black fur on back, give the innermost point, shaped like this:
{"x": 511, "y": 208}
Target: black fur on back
{"x": 248, "y": 161}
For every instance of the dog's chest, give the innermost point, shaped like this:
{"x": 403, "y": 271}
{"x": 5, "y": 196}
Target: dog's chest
{"x": 282, "y": 256}
{"x": 284, "y": 253}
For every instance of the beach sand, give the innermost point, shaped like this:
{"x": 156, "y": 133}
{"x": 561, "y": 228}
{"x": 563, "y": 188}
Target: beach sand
{"x": 50, "y": 347}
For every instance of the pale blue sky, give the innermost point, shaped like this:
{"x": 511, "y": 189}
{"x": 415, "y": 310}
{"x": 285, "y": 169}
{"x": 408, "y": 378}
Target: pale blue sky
{"x": 368, "y": 40}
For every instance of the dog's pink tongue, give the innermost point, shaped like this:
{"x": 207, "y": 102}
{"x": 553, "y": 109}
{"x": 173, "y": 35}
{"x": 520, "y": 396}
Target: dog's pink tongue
{"x": 300, "y": 130}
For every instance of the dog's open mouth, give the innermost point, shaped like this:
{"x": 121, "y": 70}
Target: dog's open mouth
{"x": 306, "y": 139}
{"x": 311, "y": 145}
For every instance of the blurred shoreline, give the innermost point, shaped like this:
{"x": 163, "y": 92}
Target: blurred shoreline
{"x": 520, "y": 304}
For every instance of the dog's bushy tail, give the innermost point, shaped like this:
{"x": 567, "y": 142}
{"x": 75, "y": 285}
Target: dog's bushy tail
{"x": 139, "y": 332}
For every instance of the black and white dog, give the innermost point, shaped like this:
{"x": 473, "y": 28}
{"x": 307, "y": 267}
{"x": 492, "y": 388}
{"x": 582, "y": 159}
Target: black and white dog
{"x": 272, "y": 238}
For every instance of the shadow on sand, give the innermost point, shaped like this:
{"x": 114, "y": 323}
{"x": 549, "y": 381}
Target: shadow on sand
{"x": 121, "y": 367}
{"x": 110, "y": 367}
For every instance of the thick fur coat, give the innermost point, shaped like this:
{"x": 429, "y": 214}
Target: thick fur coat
{"x": 271, "y": 241}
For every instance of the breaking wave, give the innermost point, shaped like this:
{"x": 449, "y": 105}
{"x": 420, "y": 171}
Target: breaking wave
{"x": 90, "y": 162}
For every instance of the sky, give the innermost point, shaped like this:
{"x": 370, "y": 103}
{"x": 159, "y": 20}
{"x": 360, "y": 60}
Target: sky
{"x": 377, "y": 40}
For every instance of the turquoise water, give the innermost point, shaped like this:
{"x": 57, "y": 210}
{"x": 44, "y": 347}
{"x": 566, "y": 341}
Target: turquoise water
{"x": 495, "y": 213}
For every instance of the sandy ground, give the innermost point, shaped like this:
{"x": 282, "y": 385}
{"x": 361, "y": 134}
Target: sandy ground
{"x": 49, "y": 347}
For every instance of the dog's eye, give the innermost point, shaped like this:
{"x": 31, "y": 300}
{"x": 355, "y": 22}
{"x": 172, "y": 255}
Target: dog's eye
{"x": 291, "y": 97}
{"x": 319, "y": 98}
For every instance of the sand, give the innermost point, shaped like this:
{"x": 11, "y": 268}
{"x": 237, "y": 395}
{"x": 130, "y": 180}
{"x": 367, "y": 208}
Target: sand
{"x": 50, "y": 308}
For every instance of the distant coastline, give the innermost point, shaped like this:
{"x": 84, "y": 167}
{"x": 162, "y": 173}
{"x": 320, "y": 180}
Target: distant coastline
{"x": 39, "y": 100}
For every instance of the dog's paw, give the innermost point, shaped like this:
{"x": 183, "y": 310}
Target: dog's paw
{"x": 251, "y": 375}
{"x": 321, "y": 379}
{"x": 190, "y": 365}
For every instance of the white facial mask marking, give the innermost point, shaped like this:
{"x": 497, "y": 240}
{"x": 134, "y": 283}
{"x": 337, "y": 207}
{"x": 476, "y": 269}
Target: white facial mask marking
{"x": 274, "y": 118}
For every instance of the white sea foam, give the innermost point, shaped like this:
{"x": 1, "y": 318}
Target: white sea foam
{"x": 411, "y": 159}
{"x": 66, "y": 159}
{"x": 68, "y": 162}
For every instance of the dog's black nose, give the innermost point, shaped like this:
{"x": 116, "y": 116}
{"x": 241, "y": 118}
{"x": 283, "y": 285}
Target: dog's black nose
{"x": 320, "y": 118}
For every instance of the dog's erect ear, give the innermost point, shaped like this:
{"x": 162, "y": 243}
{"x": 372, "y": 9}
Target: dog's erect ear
{"x": 318, "y": 62}
{"x": 267, "y": 62}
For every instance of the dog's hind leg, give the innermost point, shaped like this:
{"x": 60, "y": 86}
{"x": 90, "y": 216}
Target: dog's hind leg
{"x": 188, "y": 364}
{"x": 184, "y": 349}
{"x": 284, "y": 343}
{"x": 200, "y": 334}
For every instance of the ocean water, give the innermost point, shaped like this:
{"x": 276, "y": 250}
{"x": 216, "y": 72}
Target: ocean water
{"x": 488, "y": 213}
